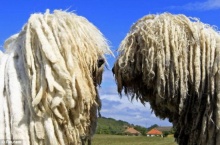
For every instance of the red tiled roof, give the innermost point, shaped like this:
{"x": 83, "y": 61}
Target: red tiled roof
{"x": 132, "y": 131}
{"x": 154, "y": 132}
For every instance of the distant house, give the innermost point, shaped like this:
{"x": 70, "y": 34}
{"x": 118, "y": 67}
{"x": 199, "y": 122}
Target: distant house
{"x": 132, "y": 131}
{"x": 154, "y": 132}
{"x": 158, "y": 131}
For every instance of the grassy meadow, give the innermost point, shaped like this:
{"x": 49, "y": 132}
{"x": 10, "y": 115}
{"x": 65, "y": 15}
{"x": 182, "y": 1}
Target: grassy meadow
{"x": 101, "y": 139}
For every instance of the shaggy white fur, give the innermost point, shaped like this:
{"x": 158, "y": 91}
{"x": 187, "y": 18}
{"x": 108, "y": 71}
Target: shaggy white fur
{"x": 48, "y": 79}
{"x": 173, "y": 62}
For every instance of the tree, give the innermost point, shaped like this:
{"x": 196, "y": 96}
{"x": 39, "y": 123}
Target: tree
{"x": 141, "y": 129}
{"x": 152, "y": 126}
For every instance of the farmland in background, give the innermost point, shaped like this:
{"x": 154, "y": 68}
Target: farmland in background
{"x": 103, "y": 139}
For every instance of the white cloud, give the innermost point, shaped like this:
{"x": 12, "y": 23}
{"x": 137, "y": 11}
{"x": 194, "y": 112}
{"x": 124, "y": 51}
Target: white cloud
{"x": 207, "y": 5}
{"x": 133, "y": 112}
{"x": 124, "y": 102}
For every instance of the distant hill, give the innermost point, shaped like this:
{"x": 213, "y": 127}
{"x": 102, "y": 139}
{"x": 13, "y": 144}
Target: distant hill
{"x": 112, "y": 126}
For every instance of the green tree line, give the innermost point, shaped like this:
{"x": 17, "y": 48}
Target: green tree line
{"x": 117, "y": 127}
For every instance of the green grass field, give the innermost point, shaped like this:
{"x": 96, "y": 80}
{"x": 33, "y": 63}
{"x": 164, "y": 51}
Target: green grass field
{"x": 131, "y": 140}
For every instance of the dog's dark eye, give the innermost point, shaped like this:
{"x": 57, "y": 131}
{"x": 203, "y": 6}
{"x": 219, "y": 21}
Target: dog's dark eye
{"x": 101, "y": 61}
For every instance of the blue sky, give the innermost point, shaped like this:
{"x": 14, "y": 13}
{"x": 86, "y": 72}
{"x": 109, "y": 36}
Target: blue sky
{"x": 114, "y": 19}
